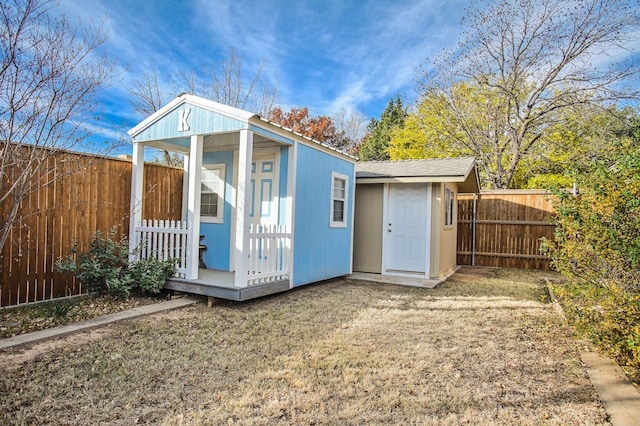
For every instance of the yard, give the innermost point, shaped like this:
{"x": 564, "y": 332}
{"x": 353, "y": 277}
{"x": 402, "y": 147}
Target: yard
{"x": 483, "y": 348}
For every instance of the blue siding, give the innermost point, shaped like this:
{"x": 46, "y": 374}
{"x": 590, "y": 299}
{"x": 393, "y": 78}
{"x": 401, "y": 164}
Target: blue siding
{"x": 200, "y": 120}
{"x": 320, "y": 252}
{"x": 218, "y": 235}
{"x": 282, "y": 193}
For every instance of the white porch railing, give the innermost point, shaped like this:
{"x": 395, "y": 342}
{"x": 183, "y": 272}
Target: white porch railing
{"x": 163, "y": 239}
{"x": 269, "y": 247}
{"x": 268, "y": 250}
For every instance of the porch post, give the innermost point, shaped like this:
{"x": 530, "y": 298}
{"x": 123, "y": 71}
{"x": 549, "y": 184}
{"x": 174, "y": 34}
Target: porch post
{"x": 137, "y": 188}
{"x": 185, "y": 187}
{"x": 242, "y": 201}
{"x": 193, "y": 207}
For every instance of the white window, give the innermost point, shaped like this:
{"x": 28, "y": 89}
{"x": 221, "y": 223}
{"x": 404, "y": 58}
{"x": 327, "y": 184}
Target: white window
{"x": 449, "y": 199}
{"x": 212, "y": 193}
{"x": 338, "y": 213}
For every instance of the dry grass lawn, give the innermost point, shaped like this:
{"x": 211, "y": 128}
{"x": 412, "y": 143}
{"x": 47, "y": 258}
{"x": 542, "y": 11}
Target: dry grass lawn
{"x": 483, "y": 348}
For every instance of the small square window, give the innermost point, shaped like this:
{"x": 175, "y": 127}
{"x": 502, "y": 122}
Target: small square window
{"x": 449, "y": 200}
{"x": 338, "y": 200}
{"x": 212, "y": 193}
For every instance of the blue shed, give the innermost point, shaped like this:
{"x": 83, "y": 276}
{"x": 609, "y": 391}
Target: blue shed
{"x": 273, "y": 208}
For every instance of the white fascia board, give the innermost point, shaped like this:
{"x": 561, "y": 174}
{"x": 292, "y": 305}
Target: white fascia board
{"x": 413, "y": 179}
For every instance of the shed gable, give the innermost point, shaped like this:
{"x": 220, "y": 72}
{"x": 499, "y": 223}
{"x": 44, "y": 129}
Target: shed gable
{"x": 187, "y": 119}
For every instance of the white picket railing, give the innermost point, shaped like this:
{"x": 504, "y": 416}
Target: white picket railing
{"x": 163, "y": 239}
{"x": 268, "y": 252}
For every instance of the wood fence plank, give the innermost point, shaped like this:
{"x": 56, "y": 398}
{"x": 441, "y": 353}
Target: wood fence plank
{"x": 509, "y": 226}
{"x": 94, "y": 196}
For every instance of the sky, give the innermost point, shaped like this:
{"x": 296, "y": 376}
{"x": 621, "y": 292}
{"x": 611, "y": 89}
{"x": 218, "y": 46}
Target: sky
{"x": 322, "y": 54}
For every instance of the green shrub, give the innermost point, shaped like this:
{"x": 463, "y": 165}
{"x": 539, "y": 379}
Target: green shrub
{"x": 597, "y": 247}
{"x": 105, "y": 268}
{"x": 150, "y": 275}
{"x": 609, "y": 317}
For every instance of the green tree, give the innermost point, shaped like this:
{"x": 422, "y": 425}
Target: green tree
{"x": 519, "y": 66}
{"x": 573, "y": 144}
{"x": 597, "y": 247}
{"x": 375, "y": 144}
{"x": 572, "y": 140}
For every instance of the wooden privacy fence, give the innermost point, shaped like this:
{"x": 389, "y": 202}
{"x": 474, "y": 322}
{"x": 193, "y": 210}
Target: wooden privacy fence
{"x": 77, "y": 195}
{"x": 503, "y": 228}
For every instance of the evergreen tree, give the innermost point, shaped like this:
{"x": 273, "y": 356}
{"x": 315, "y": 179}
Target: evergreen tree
{"x": 376, "y": 142}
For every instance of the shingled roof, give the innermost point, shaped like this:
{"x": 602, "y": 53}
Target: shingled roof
{"x": 460, "y": 170}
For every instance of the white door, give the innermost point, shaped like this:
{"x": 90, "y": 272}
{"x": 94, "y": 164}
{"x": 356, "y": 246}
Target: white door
{"x": 264, "y": 190}
{"x": 406, "y": 228}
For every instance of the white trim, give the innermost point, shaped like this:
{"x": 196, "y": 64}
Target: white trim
{"x": 137, "y": 188}
{"x": 193, "y": 100}
{"x": 242, "y": 195}
{"x": 193, "y": 208}
{"x": 446, "y": 207}
{"x": 291, "y": 191}
{"x": 352, "y": 219}
{"x": 383, "y": 229}
{"x": 185, "y": 187}
{"x": 219, "y": 217}
{"x": 428, "y": 230}
{"x": 232, "y": 197}
{"x": 412, "y": 179}
{"x": 333, "y": 223}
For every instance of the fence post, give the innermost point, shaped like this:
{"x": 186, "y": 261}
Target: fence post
{"x": 473, "y": 230}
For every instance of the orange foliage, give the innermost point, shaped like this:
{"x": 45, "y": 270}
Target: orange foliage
{"x": 320, "y": 128}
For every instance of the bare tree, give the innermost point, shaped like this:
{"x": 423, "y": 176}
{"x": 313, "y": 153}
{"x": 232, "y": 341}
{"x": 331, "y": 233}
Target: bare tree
{"x": 536, "y": 58}
{"x": 50, "y": 75}
{"x": 146, "y": 95}
{"x": 229, "y": 86}
{"x": 224, "y": 82}
{"x": 352, "y": 124}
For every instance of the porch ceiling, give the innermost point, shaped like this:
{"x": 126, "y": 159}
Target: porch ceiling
{"x": 212, "y": 142}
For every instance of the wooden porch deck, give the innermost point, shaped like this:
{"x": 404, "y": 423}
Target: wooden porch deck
{"x": 221, "y": 284}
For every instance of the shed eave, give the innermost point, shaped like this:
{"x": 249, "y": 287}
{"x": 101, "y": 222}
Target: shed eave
{"x": 267, "y": 125}
{"x": 409, "y": 179}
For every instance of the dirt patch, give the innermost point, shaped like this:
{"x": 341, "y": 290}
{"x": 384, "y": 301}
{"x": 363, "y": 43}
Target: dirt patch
{"x": 30, "y": 318}
{"x": 13, "y": 359}
{"x": 336, "y": 353}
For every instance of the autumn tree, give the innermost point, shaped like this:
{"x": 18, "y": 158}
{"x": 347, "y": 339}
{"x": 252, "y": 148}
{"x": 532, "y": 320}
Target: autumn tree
{"x": 375, "y": 144}
{"x": 518, "y": 67}
{"x": 50, "y": 75}
{"x": 319, "y": 128}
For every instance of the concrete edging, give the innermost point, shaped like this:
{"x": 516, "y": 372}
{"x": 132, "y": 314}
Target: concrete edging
{"x": 620, "y": 398}
{"x": 63, "y": 330}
